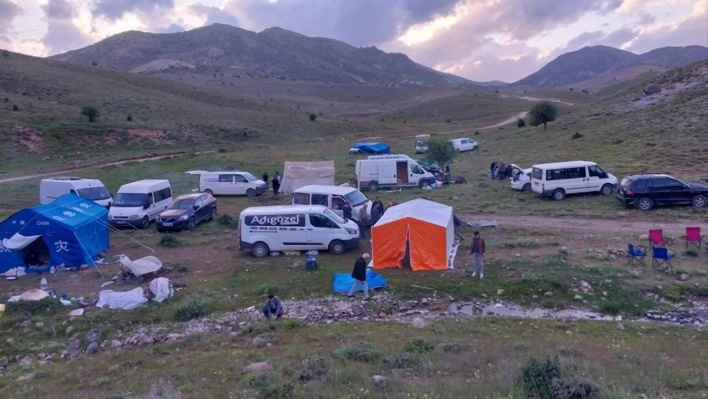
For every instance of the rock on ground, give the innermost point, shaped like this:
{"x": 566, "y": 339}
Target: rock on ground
{"x": 378, "y": 380}
{"x": 260, "y": 366}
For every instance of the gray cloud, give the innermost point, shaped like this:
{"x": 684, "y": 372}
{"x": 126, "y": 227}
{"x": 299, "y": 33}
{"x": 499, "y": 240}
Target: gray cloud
{"x": 115, "y": 9}
{"x": 646, "y": 19}
{"x": 213, "y": 14}
{"x": 173, "y": 28}
{"x": 62, "y": 35}
{"x": 360, "y": 22}
{"x": 8, "y": 12}
{"x": 692, "y": 30}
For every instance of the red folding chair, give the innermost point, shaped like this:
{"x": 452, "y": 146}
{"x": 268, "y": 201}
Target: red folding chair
{"x": 657, "y": 239}
{"x": 693, "y": 237}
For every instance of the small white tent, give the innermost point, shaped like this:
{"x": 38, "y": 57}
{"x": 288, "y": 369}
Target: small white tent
{"x": 300, "y": 174}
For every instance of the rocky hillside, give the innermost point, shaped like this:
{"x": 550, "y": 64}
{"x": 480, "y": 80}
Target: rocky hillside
{"x": 273, "y": 53}
{"x": 589, "y": 62}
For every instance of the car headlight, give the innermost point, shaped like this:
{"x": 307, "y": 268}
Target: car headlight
{"x": 158, "y": 220}
{"x": 110, "y": 216}
{"x": 352, "y": 231}
{"x": 133, "y": 216}
{"x": 184, "y": 217}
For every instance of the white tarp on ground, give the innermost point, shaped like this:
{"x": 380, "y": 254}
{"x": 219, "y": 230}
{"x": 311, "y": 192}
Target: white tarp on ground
{"x": 138, "y": 267}
{"x": 18, "y": 242}
{"x": 162, "y": 289}
{"x": 121, "y": 300}
{"x": 300, "y": 174}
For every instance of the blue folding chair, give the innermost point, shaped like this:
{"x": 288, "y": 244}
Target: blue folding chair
{"x": 662, "y": 258}
{"x": 636, "y": 254}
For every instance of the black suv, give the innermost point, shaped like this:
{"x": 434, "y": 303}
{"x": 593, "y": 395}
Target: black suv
{"x": 645, "y": 191}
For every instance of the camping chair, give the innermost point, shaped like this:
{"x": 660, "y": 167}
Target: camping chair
{"x": 656, "y": 239}
{"x": 662, "y": 258}
{"x": 693, "y": 236}
{"x": 636, "y": 254}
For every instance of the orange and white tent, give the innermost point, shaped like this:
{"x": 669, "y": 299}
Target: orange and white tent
{"x": 426, "y": 226}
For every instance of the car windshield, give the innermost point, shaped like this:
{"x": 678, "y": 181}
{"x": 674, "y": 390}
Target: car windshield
{"x": 94, "y": 193}
{"x": 356, "y": 198}
{"x": 129, "y": 200}
{"x": 330, "y": 214}
{"x": 249, "y": 176}
{"x": 183, "y": 204}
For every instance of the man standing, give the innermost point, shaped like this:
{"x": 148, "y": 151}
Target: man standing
{"x": 276, "y": 184}
{"x": 477, "y": 250}
{"x": 363, "y": 219}
{"x": 272, "y": 309}
{"x": 458, "y": 223}
{"x": 502, "y": 168}
{"x": 347, "y": 210}
{"x": 359, "y": 276}
{"x": 493, "y": 168}
{"x": 265, "y": 179}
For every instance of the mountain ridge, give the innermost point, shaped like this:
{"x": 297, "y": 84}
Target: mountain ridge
{"x": 592, "y": 61}
{"x": 272, "y": 53}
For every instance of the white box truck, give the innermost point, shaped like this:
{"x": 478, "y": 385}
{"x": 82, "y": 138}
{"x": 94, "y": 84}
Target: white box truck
{"x": 391, "y": 171}
{"x": 91, "y": 189}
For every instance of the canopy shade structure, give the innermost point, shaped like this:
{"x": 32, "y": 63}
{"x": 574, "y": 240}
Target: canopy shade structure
{"x": 426, "y": 227}
{"x": 300, "y": 174}
{"x": 373, "y": 148}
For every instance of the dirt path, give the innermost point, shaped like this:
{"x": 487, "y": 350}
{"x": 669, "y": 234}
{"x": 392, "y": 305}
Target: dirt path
{"x": 577, "y": 225}
{"x": 505, "y": 121}
{"x": 100, "y": 164}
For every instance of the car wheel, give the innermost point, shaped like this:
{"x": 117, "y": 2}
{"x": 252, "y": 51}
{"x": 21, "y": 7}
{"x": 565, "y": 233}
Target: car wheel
{"x": 212, "y": 216}
{"x": 251, "y": 193}
{"x": 606, "y": 189}
{"x": 475, "y": 148}
{"x": 337, "y": 247}
{"x": 699, "y": 201}
{"x": 526, "y": 187}
{"x": 423, "y": 183}
{"x": 191, "y": 224}
{"x": 645, "y": 204}
{"x": 145, "y": 222}
{"x": 209, "y": 192}
{"x": 373, "y": 186}
{"x": 558, "y": 194}
{"x": 260, "y": 250}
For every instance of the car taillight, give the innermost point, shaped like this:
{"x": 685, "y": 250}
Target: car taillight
{"x": 630, "y": 194}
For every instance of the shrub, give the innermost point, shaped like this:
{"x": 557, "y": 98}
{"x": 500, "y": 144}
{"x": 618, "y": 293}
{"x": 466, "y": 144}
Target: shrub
{"x": 100, "y": 382}
{"x": 130, "y": 118}
{"x": 225, "y": 220}
{"x": 419, "y": 345}
{"x": 313, "y": 117}
{"x": 361, "y": 352}
{"x": 577, "y": 135}
{"x": 448, "y": 120}
{"x": 46, "y": 306}
{"x": 292, "y": 324}
{"x": 453, "y": 347}
{"x": 573, "y": 389}
{"x": 537, "y": 377}
{"x": 520, "y": 122}
{"x": 191, "y": 308}
{"x": 15, "y": 108}
{"x": 169, "y": 241}
{"x": 222, "y": 150}
{"x": 268, "y": 289}
{"x": 94, "y": 63}
{"x": 91, "y": 112}
{"x": 526, "y": 243}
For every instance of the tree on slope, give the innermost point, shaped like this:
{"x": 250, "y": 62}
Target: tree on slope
{"x": 541, "y": 113}
{"x": 440, "y": 151}
{"x": 90, "y": 111}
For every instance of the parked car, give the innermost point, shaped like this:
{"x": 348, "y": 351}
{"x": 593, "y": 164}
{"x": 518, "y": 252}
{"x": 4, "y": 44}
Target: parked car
{"x": 556, "y": 180}
{"x": 186, "y": 212}
{"x": 647, "y": 191}
{"x": 464, "y": 144}
{"x": 520, "y": 178}
{"x": 428, "y": 166}
{"x": 354, "y": 151}
{"x": 229, "y": 183}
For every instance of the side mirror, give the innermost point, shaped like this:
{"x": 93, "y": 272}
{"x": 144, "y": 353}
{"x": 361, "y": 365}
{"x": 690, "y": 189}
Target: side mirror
{"x": 196, "y": 207}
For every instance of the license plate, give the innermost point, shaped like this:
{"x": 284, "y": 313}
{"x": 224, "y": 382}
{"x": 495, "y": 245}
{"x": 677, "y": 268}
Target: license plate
{"x": 120, "y": 222}
{"x": 168, "y": 224}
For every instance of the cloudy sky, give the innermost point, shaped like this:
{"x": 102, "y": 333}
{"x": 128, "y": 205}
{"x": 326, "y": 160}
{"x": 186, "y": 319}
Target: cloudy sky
{"x": 479, "y": 39}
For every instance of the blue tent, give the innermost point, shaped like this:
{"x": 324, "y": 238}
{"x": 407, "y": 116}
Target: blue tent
{"x": 343, "y": 281}
{"x": 71, "y": 230}
{"x": 373, "y": 148}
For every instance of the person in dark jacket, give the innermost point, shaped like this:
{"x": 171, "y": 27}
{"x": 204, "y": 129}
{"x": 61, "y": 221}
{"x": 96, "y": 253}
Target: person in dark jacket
{"x": 347, "y": 210}
{"x": 378, "y": 204}
{"x": 493, "y": 168}
{"x": 273, "y": 309}
{"x": 509, "y": 170}
{"x": 359, "y": 276}
{"x": 375, "y": 214}
{"x": 477, "y": 250}
{"x": 458, "y": 223}
{"x": 276, "y": 184}
{"x": 265, "y": 179}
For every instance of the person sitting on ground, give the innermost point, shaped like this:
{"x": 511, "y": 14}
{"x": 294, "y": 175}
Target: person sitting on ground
{"x": 460, "y": 180}
{"x": 272, "y": 309}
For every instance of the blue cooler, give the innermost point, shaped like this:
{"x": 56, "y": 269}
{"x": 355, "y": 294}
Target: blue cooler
{"x": 311, "y": 263}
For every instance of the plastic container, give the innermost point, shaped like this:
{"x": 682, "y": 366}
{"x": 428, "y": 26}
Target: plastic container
{"x": 311, "y": 263}
{"x": 53, "y": 270}
{"x": 43, "y": 283}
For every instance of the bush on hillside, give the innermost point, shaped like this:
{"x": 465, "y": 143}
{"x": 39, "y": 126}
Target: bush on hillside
{"x": 541, "y": 113}
{"x": 313, "y": 117}
{"x": 91, "y": 112}
{"x": 520, "y": 122}
{"x": 191, "y": 308}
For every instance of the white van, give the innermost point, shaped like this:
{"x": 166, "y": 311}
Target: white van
{"x": 229, "y": 183}
{"x": 559, "y": 179}
{"x": 137, "y": 203}
{"x": 391, "y": 171}
{"x": 91, "y": 189}
{"x": 332, "y": 197}
{"x": 263, "y": 229}
{"x": 421, "y": 142}
{"x": 462, "y": 145}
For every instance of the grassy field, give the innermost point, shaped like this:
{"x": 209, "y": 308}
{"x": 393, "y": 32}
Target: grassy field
{"x": 480, "y": 357}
